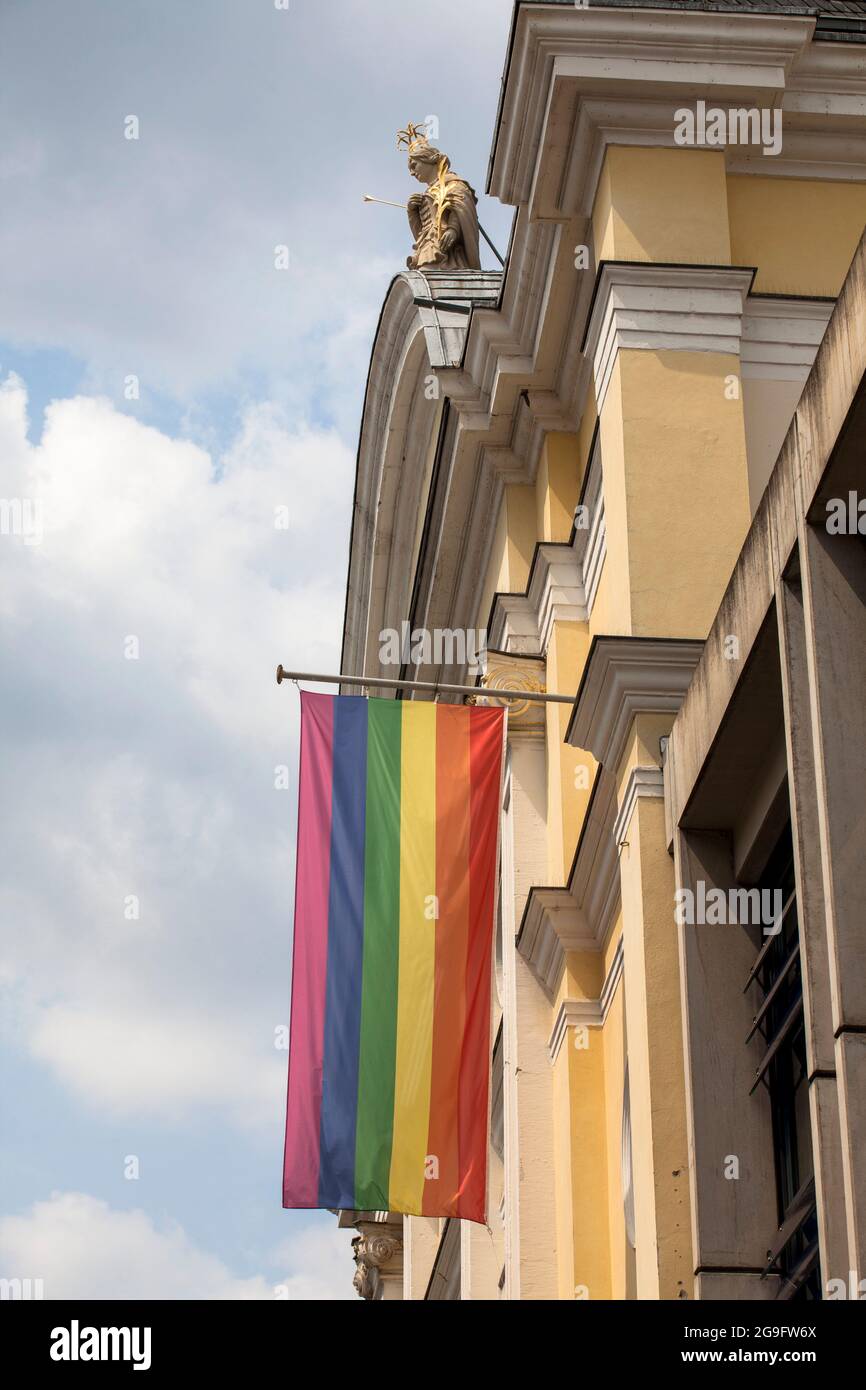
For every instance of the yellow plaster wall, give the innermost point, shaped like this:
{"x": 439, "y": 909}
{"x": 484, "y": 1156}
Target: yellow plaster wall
{"x": 583, "y": 1254}
{"x": 512, "y": 547}
{"x": 582, "y": 977}
{"x": 589, "y": 1167}
{"x": 520, "y": 522}
{"x": 557, "y": 487}
{"x": 655, "y": 1053}
{"x": 643, "y": 749}
{"x": 563, "y": 1164}
{"x": 662, "y": 205}
{"x": 570, "y": 771}
{"x": 799, "y": 233}
{"x": 676, "y": 488}
{"x": 621, "y": 1253}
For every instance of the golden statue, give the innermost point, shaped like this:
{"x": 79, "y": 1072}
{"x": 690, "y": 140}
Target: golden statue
{"x": 444, "y": 219}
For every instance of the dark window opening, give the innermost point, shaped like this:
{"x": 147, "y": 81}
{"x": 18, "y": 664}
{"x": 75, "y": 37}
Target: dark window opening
{"x": 776, "y": 977}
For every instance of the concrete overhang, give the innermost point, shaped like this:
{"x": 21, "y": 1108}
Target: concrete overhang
{"x": 822, "y": 456}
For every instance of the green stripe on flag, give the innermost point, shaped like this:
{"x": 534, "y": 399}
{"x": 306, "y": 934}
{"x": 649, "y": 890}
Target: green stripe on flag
{"x": 378, "y": 1052}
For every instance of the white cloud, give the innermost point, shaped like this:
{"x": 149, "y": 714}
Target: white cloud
{"x": 154, "y": 778}
{"x": 257, "y": 128}
{"x": 81, "y": 1248}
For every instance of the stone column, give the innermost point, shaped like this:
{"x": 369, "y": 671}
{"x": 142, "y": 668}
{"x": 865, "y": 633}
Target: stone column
{"x": 733, "y": 1185}
{"x": 630, "y": 692}
{"x": 530, "y": 1224}
{"x": 811, "y": 912}
{"x": 652, "y": 1002}
{"x": 834, "y": 605}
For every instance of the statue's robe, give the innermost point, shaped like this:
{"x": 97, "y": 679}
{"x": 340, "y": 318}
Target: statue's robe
{"x": 459, "y": 212}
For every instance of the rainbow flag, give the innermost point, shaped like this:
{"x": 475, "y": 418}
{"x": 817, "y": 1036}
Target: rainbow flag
{"x": 389, "y": 1051}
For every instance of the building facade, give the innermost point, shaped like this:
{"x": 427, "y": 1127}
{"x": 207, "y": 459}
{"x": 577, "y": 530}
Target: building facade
{"x": 604, "y": 460}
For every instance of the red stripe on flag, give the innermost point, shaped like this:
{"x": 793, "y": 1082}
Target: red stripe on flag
{"x": 486, "y": 776}
{"x": 453, "y": 816}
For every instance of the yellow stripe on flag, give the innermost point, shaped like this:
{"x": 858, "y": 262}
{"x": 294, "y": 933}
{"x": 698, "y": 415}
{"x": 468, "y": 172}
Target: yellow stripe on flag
{"x": 417, "y": 956}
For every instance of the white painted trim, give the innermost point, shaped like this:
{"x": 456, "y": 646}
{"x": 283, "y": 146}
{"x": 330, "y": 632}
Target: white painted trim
{"x": 563, "y": 581}
{"x": 581, "y": 916}
{"x": 594, "y": 549}
{"x": 586, "y": 1013}
{"x": 580, "y": 80}
{"x": 624, "y": 677}
{"x": 781, "y": 337}
{"x": 642, "y": 781}
{"x": 652, "y": 307}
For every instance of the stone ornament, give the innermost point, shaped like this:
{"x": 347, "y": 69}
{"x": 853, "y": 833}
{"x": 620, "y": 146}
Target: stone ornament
{"x": 372, "y": 1252}
{"x": 443, "y": 219}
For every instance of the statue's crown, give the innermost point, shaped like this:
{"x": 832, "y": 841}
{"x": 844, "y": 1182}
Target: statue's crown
{"x": 414, "y": 137}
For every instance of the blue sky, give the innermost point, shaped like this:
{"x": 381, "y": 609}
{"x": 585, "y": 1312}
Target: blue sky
{"x": 142, "y": 729}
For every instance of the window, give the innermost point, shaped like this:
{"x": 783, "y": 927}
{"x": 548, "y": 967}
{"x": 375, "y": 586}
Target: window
{"x": 782, "y": 1070}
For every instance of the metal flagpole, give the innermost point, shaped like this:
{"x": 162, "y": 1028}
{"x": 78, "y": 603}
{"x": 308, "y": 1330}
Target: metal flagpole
{"x": 382, "y": 683}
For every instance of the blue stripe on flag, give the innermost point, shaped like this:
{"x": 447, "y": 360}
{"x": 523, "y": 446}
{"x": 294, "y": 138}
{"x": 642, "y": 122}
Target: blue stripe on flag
{"x": 345, "y": 955}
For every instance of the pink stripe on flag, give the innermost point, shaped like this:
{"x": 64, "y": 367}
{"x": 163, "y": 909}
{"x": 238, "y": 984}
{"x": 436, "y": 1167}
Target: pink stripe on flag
{"x": 310, "y": 953}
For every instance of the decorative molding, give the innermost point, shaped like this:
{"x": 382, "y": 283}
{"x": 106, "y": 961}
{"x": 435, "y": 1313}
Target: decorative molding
{"x": 414, "y": 337}
{"x": 523, "y": 623}
{"x": 781, "y": 337}
{"x": 655, "y": 307}
{"x": 624, "y": 677}
{"x": 444, "y": 301}
{"x": 513, "y": 625}
{"x": 642, "y": 781}
{"x": 586, "y": 1013}
{"x": 577, "y": 83}
{"x": 563, "y": 580}
{"x": 377, "y": 1252}
{"x": 580, "y": 916}
{"x": 512, "y": 672}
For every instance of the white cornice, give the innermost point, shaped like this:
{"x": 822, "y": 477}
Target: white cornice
{"x": 642, "y": 781}
{"x": 582, "y": 79}
{"x": 445, "y": 327}
{"x": 781, "y": 337}
{"x": 624, "y": 677}
{"x": 586, "y": 1013}
{"x": 683, "y": 308}
{"x": 563, "y": 579}
{"x": 555, "y": 593}
{"x": 578, "y": 917}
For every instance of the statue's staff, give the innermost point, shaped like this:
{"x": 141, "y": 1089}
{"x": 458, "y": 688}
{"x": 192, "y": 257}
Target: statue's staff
{"x": 368, "y": 198}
